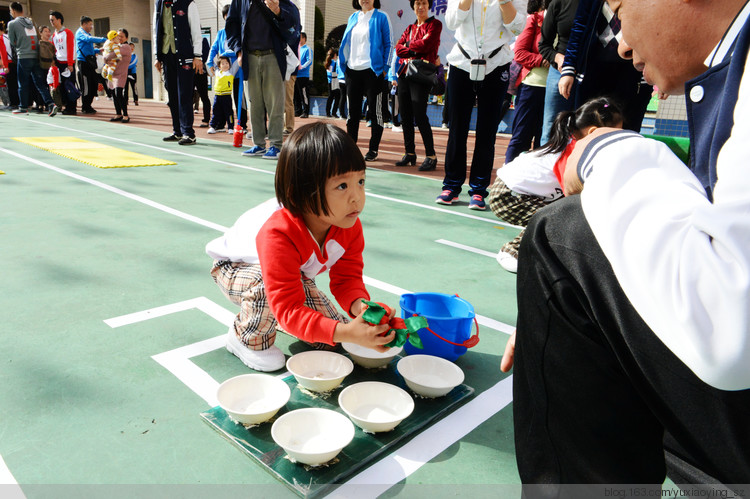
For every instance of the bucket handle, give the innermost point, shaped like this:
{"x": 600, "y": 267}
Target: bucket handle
{"x": 471, "y": 342}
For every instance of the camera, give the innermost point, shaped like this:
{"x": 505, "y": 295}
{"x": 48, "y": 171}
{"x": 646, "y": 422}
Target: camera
{"x": 478, "y": 69}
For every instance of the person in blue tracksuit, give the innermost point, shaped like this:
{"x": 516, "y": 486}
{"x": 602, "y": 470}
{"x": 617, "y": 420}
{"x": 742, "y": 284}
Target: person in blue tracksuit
{"x": 132, "y": 76}
{"x": 86, "y": 63}
{"x": 302, "y": 85}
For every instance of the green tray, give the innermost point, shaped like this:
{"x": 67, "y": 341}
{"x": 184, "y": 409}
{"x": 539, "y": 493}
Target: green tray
{"x": 366, "y": 448}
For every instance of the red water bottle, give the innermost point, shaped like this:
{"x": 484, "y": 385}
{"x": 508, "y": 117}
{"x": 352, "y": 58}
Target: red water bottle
{"x": 237, "y": 142}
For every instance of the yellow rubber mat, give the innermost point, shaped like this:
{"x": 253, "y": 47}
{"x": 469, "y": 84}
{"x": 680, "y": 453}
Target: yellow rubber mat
{"x": 92, "y": 153}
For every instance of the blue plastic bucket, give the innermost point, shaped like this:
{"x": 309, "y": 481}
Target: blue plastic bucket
{"x": 447, "y": 315}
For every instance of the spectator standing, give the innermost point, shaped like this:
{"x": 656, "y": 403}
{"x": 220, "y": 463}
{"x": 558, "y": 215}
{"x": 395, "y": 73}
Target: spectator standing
{"x": 86, "y": 63}
{"x": 178, "y": 47}
{"x": 24, "y": 41}
{"x": 334, "y": 93}
{"x": 120, "y": 77}
{"x": 201, "y": 86}
{"x": 302, "y": 85}
{"x": 261, "y": 34}
{"x": 342, "y": 86}
{"x": 484, "y": 31}
{"x": 4, "y": 94}
{"x": 419, "y": 42}
{"x": 393, "y": 71}
{"x": 132, "y": 75}
{"x": 364, "y": 55}
{"x": 633, "y": 321}
{"x": 591, "y": 56}
{"x": 528, "y": 119}
{"x": 558, "y": 21}
{"x": 219, "y": 47}
{"x": 64, "y": 41}
{"x": 11, "y": 74}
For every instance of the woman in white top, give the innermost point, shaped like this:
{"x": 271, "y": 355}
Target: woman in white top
{"x": 365, "y": 56}
{"x": 479, "y": 63}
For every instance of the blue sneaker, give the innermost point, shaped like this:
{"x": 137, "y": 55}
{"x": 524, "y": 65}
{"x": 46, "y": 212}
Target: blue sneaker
{"x": 477, "y": 203}
{"x": 255, "y": 151}
{"x": 447, "y": 197}
{"x": 272, "y": 153}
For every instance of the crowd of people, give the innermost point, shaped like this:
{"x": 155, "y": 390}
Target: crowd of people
{"x": 49, "y": 68}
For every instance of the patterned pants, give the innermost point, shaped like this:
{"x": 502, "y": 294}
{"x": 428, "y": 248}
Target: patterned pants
{"x": 514, "y": 208}
{"x": 255, "y": 325}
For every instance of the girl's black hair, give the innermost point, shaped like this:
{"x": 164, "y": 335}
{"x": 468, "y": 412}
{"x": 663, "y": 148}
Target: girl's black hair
{"x": 535, "y": 6}
{"x": 357, "y": 6}
{"x": 311, "y": 155}
{"x": 598, "y": 112}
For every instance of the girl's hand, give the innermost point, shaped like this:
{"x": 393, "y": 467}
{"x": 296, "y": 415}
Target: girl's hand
{"x": 363, "y": 333}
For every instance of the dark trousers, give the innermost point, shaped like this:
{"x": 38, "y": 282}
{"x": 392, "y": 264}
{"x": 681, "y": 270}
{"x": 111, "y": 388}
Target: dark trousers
{"x": 222, "y": 112}
{"x": 30, "y": 76}
{"x": 241, "y": 109}
{"x": 301, "y": 97}
{"x": 12, "y": 81}
{"x": 201, "y": 86}
{"x": 178, "y": 81}
{"x": 412, "y": 106}
{"x": 594, "y": 389}
{"x": 87, "y": 83}
{"x": 342, "y": 102}
{"x": 527, "y": 122}
{"x": 489, "y": 96}
{"x": 132, "y": 83}
{"x": 332, "y": 104}
{"x": 70, "y": 104}
{"x": 620, "y": 81}
{"x": 121, "y": 101}
{"x": 358, "y": 85}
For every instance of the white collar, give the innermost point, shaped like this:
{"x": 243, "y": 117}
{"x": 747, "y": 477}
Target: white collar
{"x": 719, "y": 53}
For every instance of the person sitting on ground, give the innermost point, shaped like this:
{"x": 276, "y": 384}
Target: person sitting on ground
{"x": 111, "y": 47}
{"x": 313, "y": 225}
{"x": 533, "y": 180}
{"x": 223, "y": 82}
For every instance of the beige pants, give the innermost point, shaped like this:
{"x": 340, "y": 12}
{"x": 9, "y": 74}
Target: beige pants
{"x": 265, "y": 87}
{"x": 289, "y": 105}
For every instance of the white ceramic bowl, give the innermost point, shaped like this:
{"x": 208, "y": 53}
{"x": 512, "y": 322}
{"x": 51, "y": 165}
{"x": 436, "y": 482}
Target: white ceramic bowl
{"x": 252, "y": 398}
{"x": 318, "y": 370}
{"x": 367, "y": 357}
{"x": 375, "y": 406}
{"x": 312, "y": 436}
{"x": 430, "y": 376}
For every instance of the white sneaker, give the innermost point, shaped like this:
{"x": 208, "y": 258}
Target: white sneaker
{"x": 271, "y": 359}
{"x": 230, "y": 130}
{"x": 507, "y": 261}
{"x": 397, "y": 128}
{"x": 211, "y": 130}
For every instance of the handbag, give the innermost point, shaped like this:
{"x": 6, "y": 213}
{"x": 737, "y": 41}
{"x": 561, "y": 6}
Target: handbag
{"x": 421, "y": 72}
{"x": 291, "y": 63}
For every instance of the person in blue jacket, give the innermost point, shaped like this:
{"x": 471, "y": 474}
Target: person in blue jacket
{"x": 86, "y": 63}
{"x": 332, "y": 72}
{"x": 365, "y": 56}
{"x": 591, "y": 57}
{"x": 302, "y": 85}
{"x": 132, "y": 75}
{"x": 219, "y": 48}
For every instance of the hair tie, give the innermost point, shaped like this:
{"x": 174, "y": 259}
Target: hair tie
{"x": 606, "y": 105}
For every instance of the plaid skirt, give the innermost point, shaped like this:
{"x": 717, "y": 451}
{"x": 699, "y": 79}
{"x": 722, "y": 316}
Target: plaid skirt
{"x": 513, "y": 208}
{"x": 255, "y": 324}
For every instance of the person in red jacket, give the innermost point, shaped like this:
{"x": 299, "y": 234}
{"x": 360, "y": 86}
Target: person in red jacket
{"x": 65, "y": 59}
{"x": 267, "y": 261}
{"x": 527, "y": 122}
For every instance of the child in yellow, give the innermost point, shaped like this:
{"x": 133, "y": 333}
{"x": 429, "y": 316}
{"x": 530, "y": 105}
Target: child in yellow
{"x": 110, "y": 46}
{"x": 222, "y": 109}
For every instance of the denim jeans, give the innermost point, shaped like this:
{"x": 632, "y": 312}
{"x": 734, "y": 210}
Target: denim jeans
{"x": 29, "y": 72}
{"x": 553, "y": 103}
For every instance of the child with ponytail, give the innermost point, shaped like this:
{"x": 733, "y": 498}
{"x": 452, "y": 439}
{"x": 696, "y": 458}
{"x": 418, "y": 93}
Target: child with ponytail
{"x": 533, "y": 180}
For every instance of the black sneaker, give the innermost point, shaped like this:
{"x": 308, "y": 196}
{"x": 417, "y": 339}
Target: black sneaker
{"x": 90, "y": 110}
{"x": 54, "y": 111}
{"x": 371, "y": 156}
{"x": 187, "y": 141}
{"x": 172, "y": 138}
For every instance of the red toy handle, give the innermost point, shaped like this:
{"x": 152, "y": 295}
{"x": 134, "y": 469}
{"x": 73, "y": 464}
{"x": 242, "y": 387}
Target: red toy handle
{"x": 471, "y": 342}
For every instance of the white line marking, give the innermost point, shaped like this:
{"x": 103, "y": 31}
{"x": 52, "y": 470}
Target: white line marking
{"x": 428, "y": 444}
{"x": 178, "y": 362}
{"x": 466, "y": 248}
{"x": 120, "y": 192}
{"x": 201, "y": 303}
{"x": 8, "y": 483}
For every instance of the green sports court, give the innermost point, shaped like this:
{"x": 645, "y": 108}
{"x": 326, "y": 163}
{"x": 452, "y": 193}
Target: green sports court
{"x": 113, "y": 330}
